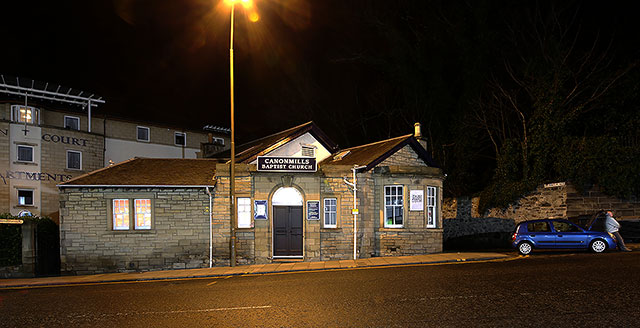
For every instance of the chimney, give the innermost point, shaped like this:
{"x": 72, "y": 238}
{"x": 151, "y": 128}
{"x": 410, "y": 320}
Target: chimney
{"x": 418, "y": 135}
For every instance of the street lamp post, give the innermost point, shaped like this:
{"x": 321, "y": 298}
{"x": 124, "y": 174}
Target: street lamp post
{"x": 232, "y": 164}
{"x": 253, "y": 16}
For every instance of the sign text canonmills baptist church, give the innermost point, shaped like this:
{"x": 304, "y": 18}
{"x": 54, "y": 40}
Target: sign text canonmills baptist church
{"x": 286, "y": 164}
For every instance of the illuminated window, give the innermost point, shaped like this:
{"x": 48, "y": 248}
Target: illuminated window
{"x": 330, "y": 213}
{"x": 24, "y": 114}
{"x": 431, "y": 207}
{"x": 25, "y": 197}
{"x": 25, "y": 153}
{"x": 244, "y": 212}
{"x": 393, "y": 206}
{"x": 74, "y": 160}
{"x": 142, "y": 133}
{"x": 180, "y": 138}
{"x": 71, "y": 122}
{"x": 143, "y": 214}
{"x": 120, "y": 214}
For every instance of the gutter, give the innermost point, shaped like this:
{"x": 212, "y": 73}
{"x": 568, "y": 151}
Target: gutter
{"x": 210, "y": 224}
{"x": 134, "y": 186}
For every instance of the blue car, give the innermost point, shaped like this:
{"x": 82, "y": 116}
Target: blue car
{"x": 560, "y": 234}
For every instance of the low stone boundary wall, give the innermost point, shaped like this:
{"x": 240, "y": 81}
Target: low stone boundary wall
{"x": 454, "y": 228}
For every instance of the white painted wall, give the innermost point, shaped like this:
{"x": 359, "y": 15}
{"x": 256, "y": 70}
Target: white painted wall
{"x": 119, "y": 150}
{"x": 293, "y": 148}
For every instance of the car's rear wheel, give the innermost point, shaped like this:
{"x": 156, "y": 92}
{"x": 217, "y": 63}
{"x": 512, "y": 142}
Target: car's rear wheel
{"x": 598, "y": 246}
{"x": 525, "y": 248}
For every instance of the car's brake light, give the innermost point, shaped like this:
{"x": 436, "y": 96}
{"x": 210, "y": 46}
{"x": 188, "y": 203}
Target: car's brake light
{"x": 513, "y": 237}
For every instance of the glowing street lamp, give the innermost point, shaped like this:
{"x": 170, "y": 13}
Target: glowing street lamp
{"x": 254, "y": 17}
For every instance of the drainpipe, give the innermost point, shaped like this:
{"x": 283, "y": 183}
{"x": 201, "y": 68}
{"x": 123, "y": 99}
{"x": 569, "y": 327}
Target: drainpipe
{"x": 354, "y": 211}
{"x": 210, "y": 227}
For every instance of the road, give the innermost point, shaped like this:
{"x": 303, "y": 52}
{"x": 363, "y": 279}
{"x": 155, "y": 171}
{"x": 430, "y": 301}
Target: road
{"x": 547, "y": 289}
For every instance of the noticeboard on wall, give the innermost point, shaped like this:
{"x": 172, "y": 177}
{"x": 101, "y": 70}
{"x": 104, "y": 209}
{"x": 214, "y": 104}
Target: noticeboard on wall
{"x": 313, "y": 210}
{"x": 260, "y": 210}
{"x": 416, "y": 198}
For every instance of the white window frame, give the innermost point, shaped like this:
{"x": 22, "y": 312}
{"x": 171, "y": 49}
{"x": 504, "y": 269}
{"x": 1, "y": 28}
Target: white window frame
{"x": 77, "y": 152}
{"x": 32, "y": 196}
{"x": 184, "y": 134}
{"x": 432, "y": 206}
{"x": 73, "y": 118}
{"x": 113, "y": 215}
{"x": 243, "y": 213}
{"x": 15, "y": 114}
{"x": 327, "y": 213}
{"x": 393, "y": 206}
{"x": 18, "y": 154}
{"x": 135, "y": 214}
{"x": 132, "y": 214}
{"x": 148, "y": 133}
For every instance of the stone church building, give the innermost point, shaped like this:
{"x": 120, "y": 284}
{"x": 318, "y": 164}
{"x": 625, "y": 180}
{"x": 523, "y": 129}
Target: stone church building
{"x": 294, "y": 196}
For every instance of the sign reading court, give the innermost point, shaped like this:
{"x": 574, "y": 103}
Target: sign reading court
{"x": 287, "y": 164}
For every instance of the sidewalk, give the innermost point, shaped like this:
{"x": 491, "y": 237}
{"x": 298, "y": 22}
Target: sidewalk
{"x": 256, "y": 269}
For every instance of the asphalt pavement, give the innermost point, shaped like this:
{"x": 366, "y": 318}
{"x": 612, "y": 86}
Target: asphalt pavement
{"x": 261, "y": 269}
{"x": 256, "y": 269}
{"x": 547, "y": 289}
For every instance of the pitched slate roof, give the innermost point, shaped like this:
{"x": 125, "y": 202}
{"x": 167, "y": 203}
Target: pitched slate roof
{"x": 150, "y": 172}
{"x": 248, "y": 152}
{"x": 372, "y": 154}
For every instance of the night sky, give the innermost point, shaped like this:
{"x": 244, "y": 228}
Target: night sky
{"x": 362, "y": 70}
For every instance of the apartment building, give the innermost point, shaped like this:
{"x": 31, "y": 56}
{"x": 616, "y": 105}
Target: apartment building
{"x": 50, "y": 134}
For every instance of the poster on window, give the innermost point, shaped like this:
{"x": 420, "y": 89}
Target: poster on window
{"x": 260, "y": 210}
{"x": 416, "y": 200}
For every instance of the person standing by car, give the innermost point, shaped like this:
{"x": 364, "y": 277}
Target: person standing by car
{"x": 612, "y": 227}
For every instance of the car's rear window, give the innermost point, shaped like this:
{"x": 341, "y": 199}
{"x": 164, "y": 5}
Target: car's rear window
{"x": 538, "y": 227}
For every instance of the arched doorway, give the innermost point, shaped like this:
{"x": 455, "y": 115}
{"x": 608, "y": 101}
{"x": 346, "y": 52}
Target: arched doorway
{"x": 287, "y": 222}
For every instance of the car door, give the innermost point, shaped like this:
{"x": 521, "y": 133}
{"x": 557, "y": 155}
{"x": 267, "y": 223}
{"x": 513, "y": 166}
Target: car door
{"x": 569, "y": 235}
{"x": 540, "y": 233}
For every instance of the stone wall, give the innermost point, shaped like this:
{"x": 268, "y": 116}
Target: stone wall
{"x": 465, "y": 227}
{"x": 593, "y": 200}
{"x": 254, "y": 245}
{"x": 558, "y": 200}
{"x": 178, "y": 238}
{"x": 403, "y": 157}
{"x": 414, "y": 238}
{"x": 337, "y": 243}
{"x": 540, "y": 204}
{"x": 409, "y": 242}
{"x": 467, "y": 207}
{"x": 4, "y": 165}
